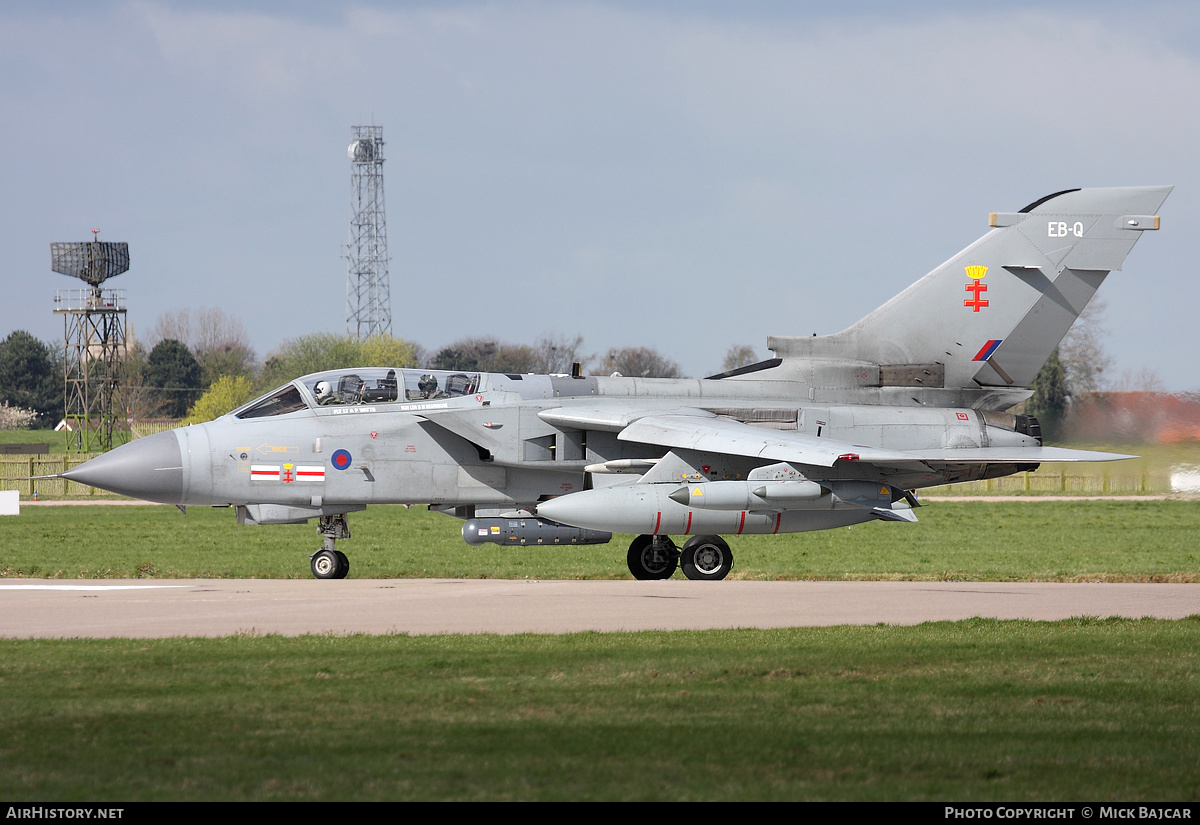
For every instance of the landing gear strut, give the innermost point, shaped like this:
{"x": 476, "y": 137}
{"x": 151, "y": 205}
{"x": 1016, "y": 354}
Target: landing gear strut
{"x": 328, "y": 562}
{"x": 652, "y": 557}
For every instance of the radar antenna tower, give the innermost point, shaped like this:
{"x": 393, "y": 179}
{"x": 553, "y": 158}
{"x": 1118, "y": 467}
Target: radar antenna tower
{"x": 94, "y": 340}
{"x": 368, "y": 295}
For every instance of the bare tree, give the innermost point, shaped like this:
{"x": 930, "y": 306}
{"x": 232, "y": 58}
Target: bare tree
{"x": 556, "y": 353}
{"x": 172, "y": 325}
{"x": 485, "y": 355}
{"x": 1082, "y": 355}
{"x": 1140, "y": 380}
{"x": 643, "y": 362}
{"x": 739, "y": 355}
{"x": 134, "y": 395}
{"x": 218, "y": 340}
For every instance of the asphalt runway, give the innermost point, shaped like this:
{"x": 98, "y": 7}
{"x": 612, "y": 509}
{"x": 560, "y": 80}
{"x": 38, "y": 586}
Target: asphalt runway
{"x": 32, "y": 608}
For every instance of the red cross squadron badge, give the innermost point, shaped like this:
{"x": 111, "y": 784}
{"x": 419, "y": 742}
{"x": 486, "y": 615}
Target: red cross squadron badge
{"x": 976, "y": 287}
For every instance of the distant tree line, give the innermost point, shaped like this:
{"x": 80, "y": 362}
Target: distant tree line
{"x": 197, "y": 364}
{"x": 200, "y": 365}
{"x": 31, "y": 377}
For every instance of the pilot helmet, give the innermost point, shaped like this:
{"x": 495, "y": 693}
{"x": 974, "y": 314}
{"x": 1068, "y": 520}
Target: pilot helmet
{"x": 427, "y": 384}
{"x": 323, "y": 391}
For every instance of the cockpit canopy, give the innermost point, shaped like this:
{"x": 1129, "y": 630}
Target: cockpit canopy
{"x": 362, "y": 385}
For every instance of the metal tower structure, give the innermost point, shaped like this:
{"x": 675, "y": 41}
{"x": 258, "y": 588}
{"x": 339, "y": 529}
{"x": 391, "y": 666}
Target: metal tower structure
{"x": 94, "y": 337}
{"x": 368, "y": 295}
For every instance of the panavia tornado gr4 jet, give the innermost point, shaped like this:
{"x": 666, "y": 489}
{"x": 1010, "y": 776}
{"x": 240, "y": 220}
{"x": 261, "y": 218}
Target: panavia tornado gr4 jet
{"x": 834, "y": 430}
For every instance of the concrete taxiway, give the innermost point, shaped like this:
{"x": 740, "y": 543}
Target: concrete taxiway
{"x": 31, "y": 608}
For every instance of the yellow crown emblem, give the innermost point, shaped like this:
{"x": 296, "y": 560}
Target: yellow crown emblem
{"x": 976, "y": 272}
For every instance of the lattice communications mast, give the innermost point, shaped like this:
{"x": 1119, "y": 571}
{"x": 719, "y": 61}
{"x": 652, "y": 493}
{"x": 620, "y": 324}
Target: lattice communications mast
{"x": 368, "y": 295}
{"x": 94, "y": 336}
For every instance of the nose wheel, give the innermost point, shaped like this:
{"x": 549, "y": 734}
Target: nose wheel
{"x": 329, "y": 562}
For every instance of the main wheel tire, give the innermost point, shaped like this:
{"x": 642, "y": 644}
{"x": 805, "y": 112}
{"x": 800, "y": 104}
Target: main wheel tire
{"x": 706, "y": 558}
{"x": 326, "y": 565}
{"x": 648, "y": 562}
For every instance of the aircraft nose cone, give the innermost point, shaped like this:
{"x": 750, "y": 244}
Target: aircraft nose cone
{"x": 572, "y": 509}
{"x": 149, "y": 468}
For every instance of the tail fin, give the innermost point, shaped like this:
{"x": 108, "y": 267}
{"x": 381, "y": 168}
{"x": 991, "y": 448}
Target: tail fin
{"x": 992, "y": 314}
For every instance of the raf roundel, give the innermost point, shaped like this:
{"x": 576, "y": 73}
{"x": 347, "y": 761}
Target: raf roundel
{"x": 341, "y": 460}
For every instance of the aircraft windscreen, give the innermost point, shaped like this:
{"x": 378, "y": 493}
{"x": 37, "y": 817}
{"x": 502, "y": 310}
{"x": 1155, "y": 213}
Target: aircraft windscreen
{"x": 374, "y": 385}
{"x": 284, "y": 400}
{"x": 422, "y": 386}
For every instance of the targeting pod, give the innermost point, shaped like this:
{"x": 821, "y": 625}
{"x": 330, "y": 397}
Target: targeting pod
{"x": 522, "y": 531}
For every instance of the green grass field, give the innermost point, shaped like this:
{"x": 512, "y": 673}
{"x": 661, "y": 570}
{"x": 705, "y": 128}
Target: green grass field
{"x": 1089, "y": 709}
{"x": 56, "y": 441}
{"x": 970, "y": 711}
{"x": 977, "y": 541}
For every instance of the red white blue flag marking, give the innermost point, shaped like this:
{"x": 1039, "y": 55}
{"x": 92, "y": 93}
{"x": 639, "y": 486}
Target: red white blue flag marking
{"x": 988, "y": 350}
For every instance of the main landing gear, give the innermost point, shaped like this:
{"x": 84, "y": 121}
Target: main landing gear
{"x": 703, "y": 558}
{"x": 328, "y": 562}
{"x": 706, "y": 558}
{"x": 652, "y": 557}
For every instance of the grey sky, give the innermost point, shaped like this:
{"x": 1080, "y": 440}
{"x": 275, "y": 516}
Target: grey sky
{"x": 685, "y": 176}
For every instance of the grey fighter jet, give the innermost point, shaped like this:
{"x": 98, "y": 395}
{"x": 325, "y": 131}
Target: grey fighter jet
{"x": 834, "y": 430}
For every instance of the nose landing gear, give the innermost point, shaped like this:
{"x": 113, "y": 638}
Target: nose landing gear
{"x": 328, "y": 562}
